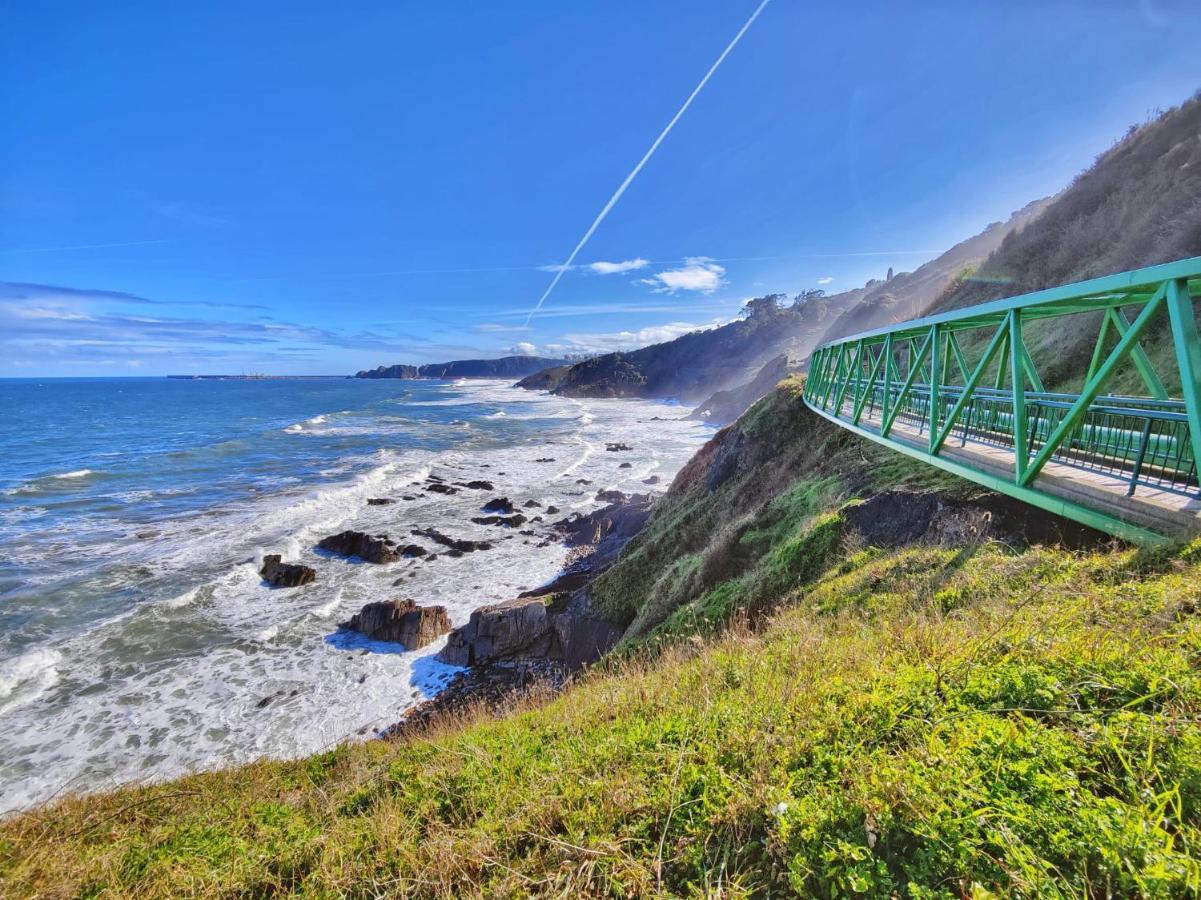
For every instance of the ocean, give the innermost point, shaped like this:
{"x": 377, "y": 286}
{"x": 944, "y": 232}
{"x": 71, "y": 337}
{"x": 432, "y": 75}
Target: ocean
{"x": 137, "y": 640}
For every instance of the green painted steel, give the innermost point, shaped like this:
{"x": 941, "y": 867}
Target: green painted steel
{"x": 969, "y": 377}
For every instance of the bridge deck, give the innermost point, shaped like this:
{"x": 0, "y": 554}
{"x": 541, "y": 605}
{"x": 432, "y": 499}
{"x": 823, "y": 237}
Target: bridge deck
{"x": 1165, "y": 512}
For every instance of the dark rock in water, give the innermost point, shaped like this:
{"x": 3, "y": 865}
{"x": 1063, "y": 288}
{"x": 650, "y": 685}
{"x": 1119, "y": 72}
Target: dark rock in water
{"x": 610, "y": 496}
{"x": 479, "y": 485}
{"x": 654, "y": 479}
{"x": 508, "y": 521}
{"x": 434, "y": 478}
{"x": 408, "y": 497}
{"x": 582, "y": 481}
{"x": 616, "y": 448}
{"x": 456, "y": 545}
{"x": 545, "y": 459}
{"x": 497, "y": 631}
{"x": 532, "y": 504}
{"x": 364, "y": 546}
{"x": 411, "y": 550}
{"x": 438, "y": 488}
{"x": 281, "y": 574}
{"x": 379, "y": 501}
{"x": 499, "y": 504}
{"x": 551, "y": 510}
{"x": 401, "y": 621}
{"x": 146, "y": 535}
{"x": 626, "y": 465}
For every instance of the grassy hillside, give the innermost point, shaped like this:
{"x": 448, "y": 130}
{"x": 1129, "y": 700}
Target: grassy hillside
{"x": 931, "y": 720}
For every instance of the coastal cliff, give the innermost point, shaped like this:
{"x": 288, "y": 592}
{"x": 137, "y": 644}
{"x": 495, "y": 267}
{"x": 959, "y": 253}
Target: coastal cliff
{"x": 504, "y": 367}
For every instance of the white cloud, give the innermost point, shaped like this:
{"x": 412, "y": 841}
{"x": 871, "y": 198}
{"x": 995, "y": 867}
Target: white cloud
{"x": 600, "y": 267}
{"x": 826, "y": 280}
{"x": 699, "y": 273}
{"x": 525, "y": 348}
{"x": 491, "y": 327}
{"x": 555, "y": 267}
{"x": 610, "y": 341}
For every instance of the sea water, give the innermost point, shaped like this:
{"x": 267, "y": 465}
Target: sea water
{"x": 137, "y": 640}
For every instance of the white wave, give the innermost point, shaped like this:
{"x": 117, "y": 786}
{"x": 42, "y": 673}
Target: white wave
{"x": 299, "y": 427}
{"x": 78, "y": 473}
{"x": 27, "y": 677}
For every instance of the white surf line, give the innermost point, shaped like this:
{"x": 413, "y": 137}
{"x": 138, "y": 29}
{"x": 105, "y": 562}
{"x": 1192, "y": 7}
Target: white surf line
{"x": 642, "y": 162}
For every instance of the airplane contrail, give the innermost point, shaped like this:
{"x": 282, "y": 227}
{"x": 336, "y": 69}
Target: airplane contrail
{"x": 80, "y": 247}
{"x": 642, "y": 162}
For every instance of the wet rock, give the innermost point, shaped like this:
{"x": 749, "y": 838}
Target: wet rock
{"x": 532, "y": 504}
{"x": 438, "y": 488}
{"x": 410, "y": 551}
{"x": 507, "y": 521}
{"x": 456, "y": 546}
{"x": 626, "y": 465}
{"x": 479, "y": 485}
{"x": 401, "y": 622}
{"x": 611, "y": 496}
{"x": 582, "y": 481}
{"x": 545, "y": 459}
{"x": 408, "y": 497}
{"x": 617, "y": 448}
{"x": 551, "y": 510}
{"x": 379, "y": 501}
{"x": 499, "y": 504}
{"x": 497, "y": 631}
{"x": 281, "y": 574}
{"x": 654, "y": 479}
{"x": 364, "y": 546}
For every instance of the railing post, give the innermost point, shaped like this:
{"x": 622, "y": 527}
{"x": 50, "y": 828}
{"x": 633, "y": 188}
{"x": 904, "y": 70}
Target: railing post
{"x": 935, "y": 375}
{"x": 884, "y": 404}
{"x": 1018, "y": 377}
{"x": 1188, "y": 357}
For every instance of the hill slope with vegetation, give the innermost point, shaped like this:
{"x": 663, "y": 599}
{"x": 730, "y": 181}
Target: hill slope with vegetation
{"x": 808, "y": 700}
{"x": 729, "y": 358}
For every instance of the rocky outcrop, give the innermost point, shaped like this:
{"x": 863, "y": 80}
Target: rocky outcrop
{"x": 896, "y": 518}
{"x": 499, "y": 505}
{"x": 515, "y": 627}
{"x": 402, "y": 622}
{"x": 456, "y": 545}
{"x": 479, "y": 485}
{"x": 369, "y": 548}
{"x": 513, "y": 521}
{"x": 281, "y": 574}
{"x": 438, "y": 488}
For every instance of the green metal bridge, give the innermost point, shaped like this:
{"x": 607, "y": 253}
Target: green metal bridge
{"x": 962, "y": 391}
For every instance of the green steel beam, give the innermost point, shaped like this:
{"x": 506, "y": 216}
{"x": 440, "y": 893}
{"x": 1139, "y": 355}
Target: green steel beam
{"x": 1188, "y": 357}
{"x": 1141, "y": 361}
{"x": 914, "y": 368}
{"x": 969, "y": 386}
{"x": 1021, "y": 453}
{"x": 935, "y": 378}
{"x": 1091, "y": 390}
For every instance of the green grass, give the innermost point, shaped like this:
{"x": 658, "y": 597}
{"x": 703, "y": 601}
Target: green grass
{"x": 925, "y": 722}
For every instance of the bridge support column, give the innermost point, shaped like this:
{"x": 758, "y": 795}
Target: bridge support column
{"x": 1188, "y": 358}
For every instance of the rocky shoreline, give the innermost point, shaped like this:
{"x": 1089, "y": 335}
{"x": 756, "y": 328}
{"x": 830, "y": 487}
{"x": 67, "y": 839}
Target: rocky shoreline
{"x": 534, "y": 641}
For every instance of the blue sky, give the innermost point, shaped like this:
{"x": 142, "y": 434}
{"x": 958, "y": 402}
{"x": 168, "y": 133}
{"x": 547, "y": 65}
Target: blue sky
{"x": 318, "y": 188}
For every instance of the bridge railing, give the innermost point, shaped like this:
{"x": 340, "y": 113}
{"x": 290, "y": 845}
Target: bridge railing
{"x": 920, "y": 388}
